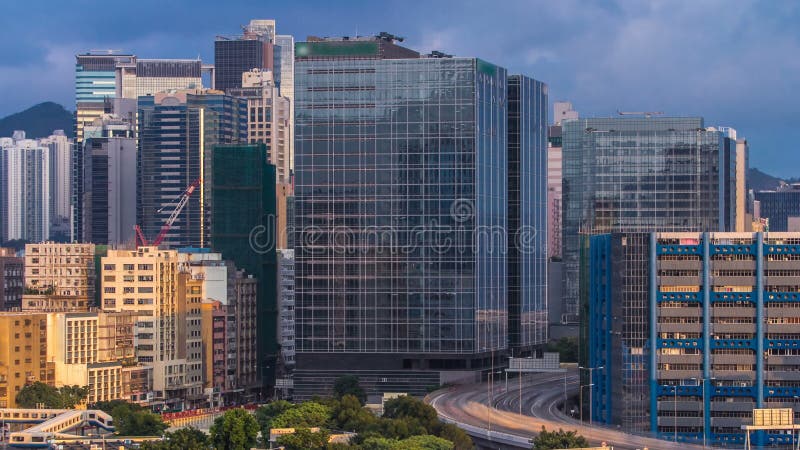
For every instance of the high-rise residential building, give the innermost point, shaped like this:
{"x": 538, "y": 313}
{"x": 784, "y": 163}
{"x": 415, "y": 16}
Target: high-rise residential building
{"x": 242, "y": 304}
{"x": 689, "y": 332}
{"x": 95, "y": 84}
{"x": 268, "y": 117}
{"x": 628, "y": 174}
{"x": 286, "y": 307}
{"x": 527, "y": 214}
{"x": 59, "y": 277}
{"x": 778, "y": 206}
{"x": 104, "y": 187}
{"x": 12, "y": 279}
{"x": 177, "y": 131}
{"x": 25, "y": 189}
{"x": 243, "y": 230}
{"x": 60, "y": 155}
{"x": 150, "y": 283}
{"x": 387, "y": 144}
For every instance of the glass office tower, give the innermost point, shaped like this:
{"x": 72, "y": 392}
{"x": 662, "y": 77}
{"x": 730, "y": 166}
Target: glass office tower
{"x": 527, "y": 213}
{"x": 401, "y": 214}
{"x": 779, "y": 207}
{"x": 631, "y": 174}
{"x": 177, "y": 131}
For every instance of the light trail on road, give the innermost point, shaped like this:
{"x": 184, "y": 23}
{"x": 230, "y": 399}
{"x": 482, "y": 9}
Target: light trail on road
{"x": 540, "y": 396}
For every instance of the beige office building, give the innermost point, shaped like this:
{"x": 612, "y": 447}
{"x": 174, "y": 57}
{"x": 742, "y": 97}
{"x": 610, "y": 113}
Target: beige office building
{"x": 149, "y": 282}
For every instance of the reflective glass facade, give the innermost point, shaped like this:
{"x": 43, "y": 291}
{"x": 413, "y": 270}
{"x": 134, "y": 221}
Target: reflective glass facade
{"x": 234, "y": 56}
{"x": 640, "y": 174}
{"x": 176, "y": 135}
{"x": 779, "y": 206}
{"x": 399, "y": 162}
{"x": 527, "y": 209}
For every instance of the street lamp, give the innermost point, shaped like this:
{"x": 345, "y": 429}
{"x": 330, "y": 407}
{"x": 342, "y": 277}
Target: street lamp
{"x": 591, "y": 383}
{"x": 702, "y": 382}
{"x": 580, "y": 397}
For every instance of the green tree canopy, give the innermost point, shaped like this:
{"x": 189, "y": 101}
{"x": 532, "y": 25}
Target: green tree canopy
{"x": 182, "y": 439}
{"x": 414, "y": 411}
{"x": 567, "y": 348}
{"x": 304, "y": 439}
{"x": 237, "y": 429}
{"x": 548, "y": 440}
{"x": 38, "y": 393}
{"x": 349, "y": 415}
{"x": 266, "y": 413}
{"x": 349, "y": 385}
{"x": 133, "y": 420}
{"x": 421, "y": 442}
{"x": 459, "y": 438}
{"x": 305, "y": 415}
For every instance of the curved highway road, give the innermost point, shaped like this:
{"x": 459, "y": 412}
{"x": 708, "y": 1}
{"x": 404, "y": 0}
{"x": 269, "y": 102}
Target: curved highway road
{"x": 541, "y": 395}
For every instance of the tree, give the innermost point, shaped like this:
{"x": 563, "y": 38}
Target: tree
{"x": 182, "y": 439}
{"x": 349, "y": 385}
{"x": 423, "y": 442}
{"x": 265, "y": 414}
{"x": 235, "y": 430}
{"x": 304, "y": 439}
{"x": 39, "y": 393}
{"x": 547, "y": 440}
{"x": 349, "y": 415}
{"x": 73, "y": 395}
{"x": 567, "y": 348}
{"x": 131, "y": 419}
{"x": 412, "y": 410}
{"x": 306, "y": 415}
{"x": 460, "y": 439}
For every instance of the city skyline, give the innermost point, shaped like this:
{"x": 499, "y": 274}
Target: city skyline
{"x": 638, "y": 52}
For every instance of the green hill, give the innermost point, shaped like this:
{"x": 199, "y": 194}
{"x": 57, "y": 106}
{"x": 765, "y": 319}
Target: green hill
{"x": 38, "y": 121}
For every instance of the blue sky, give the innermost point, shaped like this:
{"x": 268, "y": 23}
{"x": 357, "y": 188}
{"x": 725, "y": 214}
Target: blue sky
{"x": 735, "y": 62}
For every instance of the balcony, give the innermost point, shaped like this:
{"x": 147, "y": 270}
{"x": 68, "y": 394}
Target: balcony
{"x": 680, "y": 328}
{"x": 782, "y": 265}
{"x": 680, "y": 405}
{"x": 733, "y": 328}
{"x": 680, "y": 421}
{"x": 680, "y": 312}
{"x": 737, "y": 375}
{"x": 733, "y": 359}
{"x": 679, "y": 374}
{"x": 680, "y": 265}
{"x": 733, "y": 281}
{"x": 680, "y": 359}
{"x": 782, "y": 375}
{"x": 733, "y": 265}
{"x": 733, "y": 422}
{"x": 732, "y": 406}
{"x": 679, "y": 281}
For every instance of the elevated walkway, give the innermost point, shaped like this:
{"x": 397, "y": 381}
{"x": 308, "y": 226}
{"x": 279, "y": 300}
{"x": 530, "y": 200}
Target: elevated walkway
{"x": 52, "y": 424}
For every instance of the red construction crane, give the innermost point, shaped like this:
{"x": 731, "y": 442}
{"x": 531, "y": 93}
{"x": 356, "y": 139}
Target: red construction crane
{"x": 182, "y": 200}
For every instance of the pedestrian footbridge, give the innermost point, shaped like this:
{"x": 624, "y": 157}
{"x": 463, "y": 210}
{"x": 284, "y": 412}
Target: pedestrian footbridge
{"x": 51, "y": 424}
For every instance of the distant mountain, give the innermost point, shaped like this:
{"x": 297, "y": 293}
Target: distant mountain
{"x": 760, "y": 181}
{"x": 38, "y": 121}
